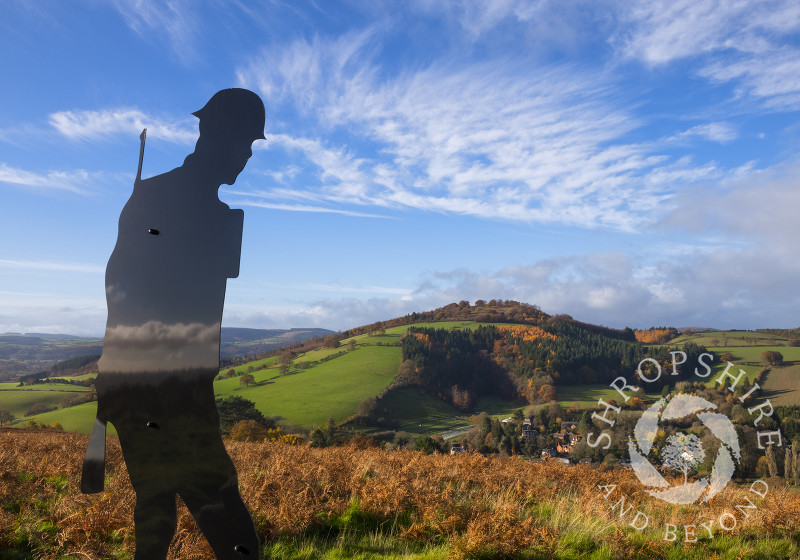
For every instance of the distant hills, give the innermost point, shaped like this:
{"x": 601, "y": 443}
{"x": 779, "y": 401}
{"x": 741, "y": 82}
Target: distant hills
{"x": 22, "y": 354}
{"x": 237, "y": 341}
{"x": 30, "y": 353}
{"x": 426, "y": 373}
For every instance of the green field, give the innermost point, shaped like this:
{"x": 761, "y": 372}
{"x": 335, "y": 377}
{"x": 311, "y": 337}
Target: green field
{"x": 729, "y": 338}
{"x": 391, "y": 336}
{"x": 782, "y": 386}
{"x": 73, "y": 419}
{"x": 305, "y": 397}
{"x": 18, "y": 400}
{"x": 498, "y": 408}
{"x": 319, "y": 354}
{"x": 57, "y": 387}
{"x": 409, "y": 411}
{"x": 335, "y": 387}
{"x": 744, "y": 346}
{"x": 718, "y": 368}
{"x": 587, "y": 395}
{"x": 752, "y": 354}
{"x": 83, "y": 377}
{"x": 330, "y": 389}
{"x": 256, "y": 364}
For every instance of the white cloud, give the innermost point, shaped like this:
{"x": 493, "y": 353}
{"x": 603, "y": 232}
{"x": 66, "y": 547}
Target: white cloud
{"x": 750, "y": 43}
{"x": 334, "y": 313}
{"x": 741, "y": 273}
{"x": 497, "y": 140}
{"x": 72, "y": 181}
{"x": 756, "y": 205}
{"x": 173, "y": 21}
{"x": 661, "y": 31}
{"x": 90, "y": 125}
{"x": 302, "y": 208}
{"x": 774, "y": 76}
{"x": 719, "y": 287}
{"x": 539, "y": 26}
{"x": 51, "y": 313}
{"x": 52, "y": 266}
{"x": 477, "y": 17}
{"x": 337, "y": 166}
{"x": 715, "y": 132}
{"x": 723, "y": 288}
{"x": 308, "y": 72}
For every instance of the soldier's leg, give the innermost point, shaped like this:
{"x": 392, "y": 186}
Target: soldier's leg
{"x": 223, "y": 518}
{"x": 155, "y": 519}
{"x": 144, "y": 449}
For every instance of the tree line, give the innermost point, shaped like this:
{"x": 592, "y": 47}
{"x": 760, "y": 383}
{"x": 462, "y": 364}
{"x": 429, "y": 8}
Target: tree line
{"x": 524, "y": 363}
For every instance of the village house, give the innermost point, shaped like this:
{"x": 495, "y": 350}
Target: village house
{"x": 565, "y": 442}
{"x": 528, "y": 430}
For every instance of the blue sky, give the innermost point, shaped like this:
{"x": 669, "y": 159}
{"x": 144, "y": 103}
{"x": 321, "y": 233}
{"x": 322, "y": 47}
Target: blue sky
{"x": 628, "y": 163}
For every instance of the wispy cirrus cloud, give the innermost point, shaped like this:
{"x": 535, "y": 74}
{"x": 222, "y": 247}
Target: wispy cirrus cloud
{"x": 478, "y": 17}
{"x": 494, "y": 140}
{"x": 174, "y": 22}
{"x": 301, "y": 208}
{"x": 542, "y": 25}
{"x": 714, "y": 132}
{"x": 339, "y": 168}
{"x": 753, "y": 44}
{"x": 91, "y": 125}
{"x": 52, "y": 266}
{"x": 76, "y": 181}
{"x": 661, "y": 31}
{"x": 773, "y": 76}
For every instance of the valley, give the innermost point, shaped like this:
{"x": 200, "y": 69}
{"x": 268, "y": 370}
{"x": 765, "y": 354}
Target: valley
{"x": 309, "y": 384}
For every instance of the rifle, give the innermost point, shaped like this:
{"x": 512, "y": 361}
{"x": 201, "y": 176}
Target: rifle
{"x": 94, "y": 464}
{"x": 142, "y": 137}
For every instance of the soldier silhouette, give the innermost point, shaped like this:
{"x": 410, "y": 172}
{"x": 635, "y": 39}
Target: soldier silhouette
{"x": 165, "y": 288}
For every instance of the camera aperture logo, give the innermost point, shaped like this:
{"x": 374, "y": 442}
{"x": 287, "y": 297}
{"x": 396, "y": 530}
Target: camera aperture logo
{"x": 665, "y": 441}
{"x": 683, "y": 451}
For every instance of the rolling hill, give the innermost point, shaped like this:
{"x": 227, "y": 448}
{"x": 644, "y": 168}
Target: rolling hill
{"x": 32, "y": 353}
{"x": 236, "y": 341}
{"x": 22, "y": 354}
{"x": 355, "y": 380}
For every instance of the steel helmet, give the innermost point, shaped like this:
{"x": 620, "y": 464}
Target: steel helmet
{"x": 233, "y": 111}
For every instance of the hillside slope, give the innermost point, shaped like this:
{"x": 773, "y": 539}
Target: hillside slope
{"x": 454, "y": 367}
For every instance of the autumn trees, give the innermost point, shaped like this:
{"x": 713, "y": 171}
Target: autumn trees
{"x": 654, "y": 335}
{"x": 234, "y": 409}
{"x": 771, "y": 358}
{"x": 547, "y": 393}
{"x": 247, "y": 379}
{"x": 285, "y": 361}
{"x": 492, "y": 311}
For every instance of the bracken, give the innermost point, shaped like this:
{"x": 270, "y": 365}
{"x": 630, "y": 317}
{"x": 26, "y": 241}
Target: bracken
{"x": 477, "y": 506}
